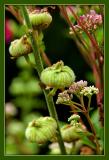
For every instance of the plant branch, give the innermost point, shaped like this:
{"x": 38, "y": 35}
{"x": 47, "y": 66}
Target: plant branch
{"x": 86, "y": 114}
{"x": 89, "y": 102}
{"x": 40, "y": 68}
{"x": 77, "y": 104}
{"x": 64, "y": 13}
{"x": 94, "y": 133}
{"x": 90, "y": 58}
{"x": 15, "y": 13}
{"x": 75, "y": 107}
{"x": 85, "y": 52}
{"x": 88, "y": 34}
{"x": 45, "y": 58}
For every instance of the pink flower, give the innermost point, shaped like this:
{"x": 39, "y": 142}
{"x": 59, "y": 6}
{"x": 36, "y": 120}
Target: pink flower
{"x": 8, "y": 32}
{"x": 77, "y": 86}
{"x": 90, "y": 21}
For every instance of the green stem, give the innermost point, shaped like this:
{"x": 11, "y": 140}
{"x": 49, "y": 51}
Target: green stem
{"x": 89, "y": 102}
{"x": 52, "y": 92}
{"x": 29, "y": 62}
{"x": 75, "y": 107}
{"x": 39, "y": 66}
{"x": 77, "y": 104}
{"x": 82, "y": 103}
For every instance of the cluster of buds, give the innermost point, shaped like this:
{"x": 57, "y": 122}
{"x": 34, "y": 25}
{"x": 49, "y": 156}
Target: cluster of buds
{"x": 79, "y": 89}
{"x": 63, "y": 98}
{"x": 90, "y": 21}
{"x": 76, "y": 87}
{"x": 75, "y": 118}
{"x": 89, "y": 91}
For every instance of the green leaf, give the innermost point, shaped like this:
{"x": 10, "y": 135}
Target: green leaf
{"x": 96, "y": 123}
{"x": 99, "y": 35}
{"x": 99, "y": 129}
{"x": 86, "y": 141}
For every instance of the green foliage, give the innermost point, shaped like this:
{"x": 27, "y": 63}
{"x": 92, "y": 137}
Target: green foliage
{"x": 99, "y": 129}
{"x": 87, "y": 141}
{"x": 17, "y": 29}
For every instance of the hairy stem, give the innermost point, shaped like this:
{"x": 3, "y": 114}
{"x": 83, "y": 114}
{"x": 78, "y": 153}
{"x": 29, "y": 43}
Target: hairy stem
{"x": 39, "y": 66}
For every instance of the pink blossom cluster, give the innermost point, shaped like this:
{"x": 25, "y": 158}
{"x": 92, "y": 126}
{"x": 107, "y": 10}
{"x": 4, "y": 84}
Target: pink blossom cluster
{"x": 77, "y": 86}
{"x": 90, "y": 21}
{"x": 63, "y": 97}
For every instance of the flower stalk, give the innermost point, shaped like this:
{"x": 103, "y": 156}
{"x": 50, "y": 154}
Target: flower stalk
{"x": 94, "y": 133}
{"x": 80, "y": 89}
{"x": 91, "y": 53}
{"x": 88, "y": 34}
{"x": 40, "y": 68}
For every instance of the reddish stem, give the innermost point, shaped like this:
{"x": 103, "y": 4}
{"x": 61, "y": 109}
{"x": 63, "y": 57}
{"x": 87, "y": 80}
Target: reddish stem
{"x": 86, "y": 56}
{"x": 97, "y": 71}
{"x": 98, "y": 84}
{"x": 45, "y": 58}
{"x": 15, "y": 13}
{"x": 88, "y": 34}
{"x": 78, "y": 40}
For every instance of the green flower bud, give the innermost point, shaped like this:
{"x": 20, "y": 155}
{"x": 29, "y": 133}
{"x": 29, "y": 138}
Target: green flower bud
{"x": 40, "y": 20}
{"x": 71, "y": 132}
{"x": 20, "y": 47}
{"x": 41, "y": 130}
{"x": 58, "y": 76}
